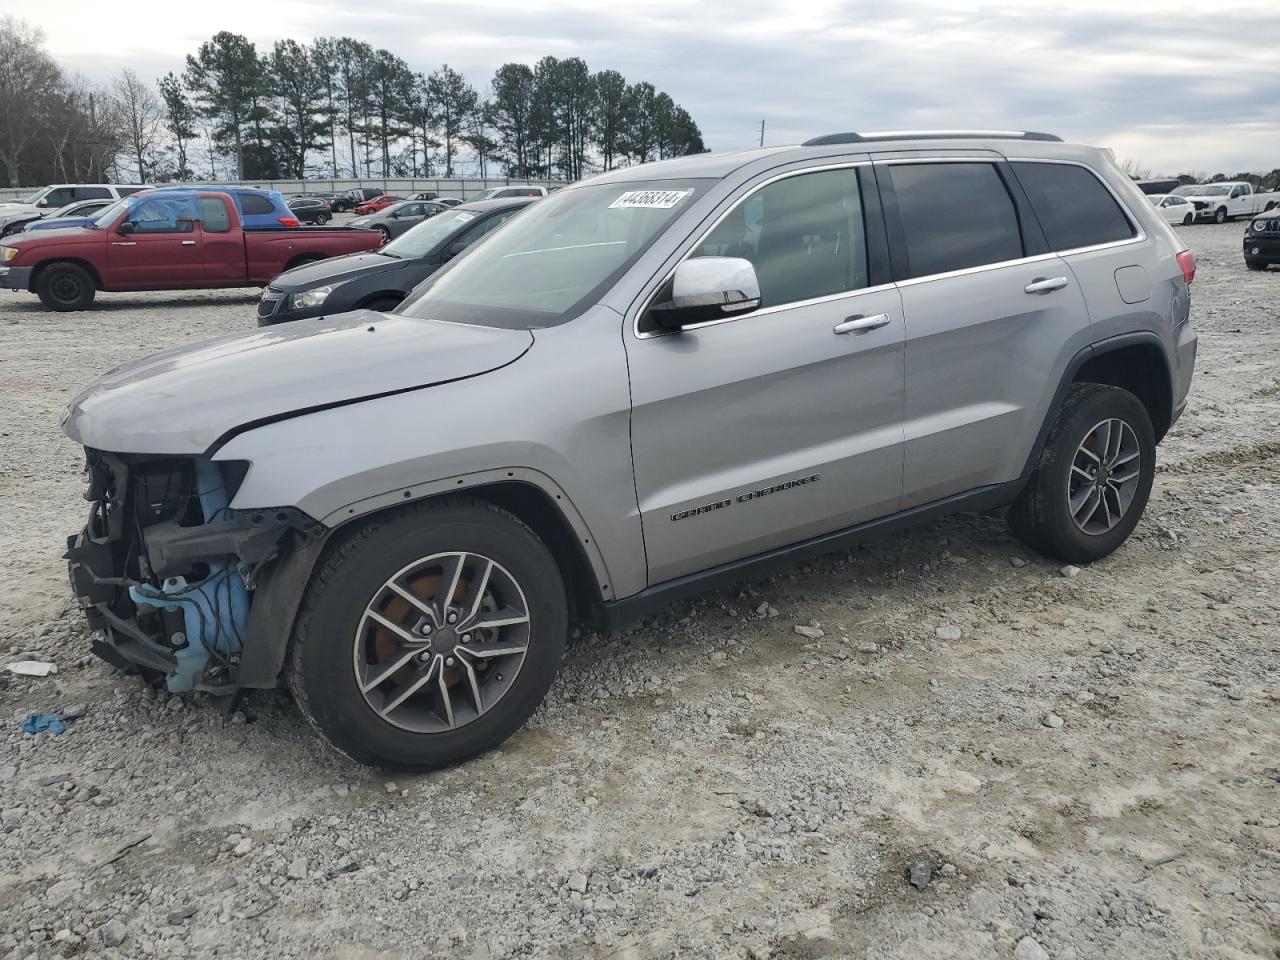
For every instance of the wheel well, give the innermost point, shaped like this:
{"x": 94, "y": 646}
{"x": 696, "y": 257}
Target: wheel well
{"x": 381, "y": 295}
{"x": 536, "y": 509}
{"x": 1141, "y": 369}
{"x": 304, "y": 258}
{"x": 82, "y": 264}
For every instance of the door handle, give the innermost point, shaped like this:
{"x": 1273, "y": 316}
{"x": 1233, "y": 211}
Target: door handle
{"x": 1045, "y": 286}
{"x": 861, "y": 324}
{"x": 188, "y": 243}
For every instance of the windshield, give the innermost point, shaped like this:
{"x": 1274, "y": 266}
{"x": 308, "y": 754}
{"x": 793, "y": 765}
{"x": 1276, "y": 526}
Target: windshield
{"x": 1202, "y": 190}
{"x": 421, "y": 240}
{"x": 37, "y": 196}
{"x": 546, "y": 264}
{"x": 482, "y": 194}
{"x": 108, "y": 215}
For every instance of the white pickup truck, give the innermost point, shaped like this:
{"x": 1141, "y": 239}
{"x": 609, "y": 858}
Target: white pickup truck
{"x": 1225, "y": 201}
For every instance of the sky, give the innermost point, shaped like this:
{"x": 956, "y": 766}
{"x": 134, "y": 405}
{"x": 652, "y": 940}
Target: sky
{"x": 1174, "y": 85}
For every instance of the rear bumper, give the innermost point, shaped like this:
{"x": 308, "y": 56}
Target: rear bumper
{"x": 16, "y": 278}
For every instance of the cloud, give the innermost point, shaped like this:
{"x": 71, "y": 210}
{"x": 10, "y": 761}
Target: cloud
{"x": 1174, "y": 89}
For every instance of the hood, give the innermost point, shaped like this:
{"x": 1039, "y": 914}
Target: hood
{"x": 60, "y": 223}
{"x": 183, "y": 401}
{"x": 16, "y": 209}
{"x": 62, "y": 236}
{"x": 334, "y": 270}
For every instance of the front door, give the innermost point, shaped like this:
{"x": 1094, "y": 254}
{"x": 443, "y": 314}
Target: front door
{"x": 160, "y": 249}
{"x": 773, "y": 427}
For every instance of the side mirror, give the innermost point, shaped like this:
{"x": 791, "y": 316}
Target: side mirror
{"x": 454, "y": 249}
{"x": 706, "y": 289}
{"x": 125, "y": 229}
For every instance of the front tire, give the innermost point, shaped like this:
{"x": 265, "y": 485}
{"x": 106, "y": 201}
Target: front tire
{"x": 429, "y": 635}
{"x": 386, "y": 235}
{"x": 323, "y": 218}
{"x": 1094, "y": 476}
{"x": 1255, "y": 264}
{"x": 65, "y": 287}
{"x": 1188, "y": 220}
{"x": 1220, "y": 215}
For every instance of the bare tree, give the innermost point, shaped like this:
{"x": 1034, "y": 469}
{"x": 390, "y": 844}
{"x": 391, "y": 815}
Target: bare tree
{"x": 141, "y": 117}
{"x": 1134, "y": 170}
{"x": 29, "y": 79}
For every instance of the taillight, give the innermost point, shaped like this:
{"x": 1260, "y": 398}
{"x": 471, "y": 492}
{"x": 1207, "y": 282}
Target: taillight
{"x": 293, "y": 222}
{"x": 1187, "y": 261}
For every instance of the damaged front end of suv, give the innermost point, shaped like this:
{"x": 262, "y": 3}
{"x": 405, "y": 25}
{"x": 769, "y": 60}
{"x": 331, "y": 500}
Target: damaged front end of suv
{"x": 165, "y": 570}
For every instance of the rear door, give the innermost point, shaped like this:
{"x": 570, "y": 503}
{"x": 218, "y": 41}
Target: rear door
{"x": 785, "y": 423}
{"x": 161, "y": 250}
{"x": 988, "y": 310}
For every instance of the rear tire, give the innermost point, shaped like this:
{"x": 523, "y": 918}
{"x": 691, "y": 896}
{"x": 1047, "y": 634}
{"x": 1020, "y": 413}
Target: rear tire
{"x": 65, "y": 287}
{"x": 403, "y": 721}
{"x": 1065, "y": 513}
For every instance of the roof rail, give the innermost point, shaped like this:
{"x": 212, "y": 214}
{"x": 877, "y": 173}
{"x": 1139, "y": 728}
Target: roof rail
{"x": 831, "y": 138}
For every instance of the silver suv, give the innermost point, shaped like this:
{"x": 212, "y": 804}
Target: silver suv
{"x": 660, "y": 380}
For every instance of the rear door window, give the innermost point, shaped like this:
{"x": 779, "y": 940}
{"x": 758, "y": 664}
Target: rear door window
{"x": 92, "y": 193}
{"x": 955, "y": 216}
{"x": 1073, "y": 207}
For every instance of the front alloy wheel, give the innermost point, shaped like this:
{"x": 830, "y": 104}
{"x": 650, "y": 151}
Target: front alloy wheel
{"x": 428, "y": 634}
{"x": 442, "y": 642}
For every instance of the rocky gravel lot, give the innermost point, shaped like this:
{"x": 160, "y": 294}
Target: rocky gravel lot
{"x": 936, "y": 745}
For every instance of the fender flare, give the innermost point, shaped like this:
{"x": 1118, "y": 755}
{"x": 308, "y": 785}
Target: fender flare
{"x": 283, "y": 582}
{"x": 1085, "y": 354}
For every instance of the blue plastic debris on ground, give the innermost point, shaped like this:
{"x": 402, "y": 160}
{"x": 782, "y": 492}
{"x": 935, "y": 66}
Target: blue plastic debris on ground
{"x": 39, "y": 722}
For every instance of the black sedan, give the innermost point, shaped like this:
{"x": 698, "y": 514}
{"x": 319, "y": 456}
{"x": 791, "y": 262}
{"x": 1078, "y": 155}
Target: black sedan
{"x": 311, "y": 209}
{"x": 380, "y": 280}
{"x": 398, "y": 218}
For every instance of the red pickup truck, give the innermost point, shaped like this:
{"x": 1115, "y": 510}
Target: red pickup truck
{"x": 175, "y": 240}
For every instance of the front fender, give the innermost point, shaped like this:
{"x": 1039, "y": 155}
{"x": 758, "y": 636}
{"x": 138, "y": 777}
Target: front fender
{"x": 558, "y": 420}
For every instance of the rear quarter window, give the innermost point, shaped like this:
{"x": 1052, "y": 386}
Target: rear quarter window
{"x": 253, "y": 205}
{"x": 1073, "y": 207}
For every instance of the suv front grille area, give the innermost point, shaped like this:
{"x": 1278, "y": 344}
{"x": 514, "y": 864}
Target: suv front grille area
{"x": 270, "y": 302}
{"x": 164, "y": 570}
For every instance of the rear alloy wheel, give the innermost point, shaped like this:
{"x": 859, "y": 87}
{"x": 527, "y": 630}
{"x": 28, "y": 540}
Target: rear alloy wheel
{"x": 1093, "y": 479}
{"x": 65, "y": 287}
{"x": 429, "y": 636}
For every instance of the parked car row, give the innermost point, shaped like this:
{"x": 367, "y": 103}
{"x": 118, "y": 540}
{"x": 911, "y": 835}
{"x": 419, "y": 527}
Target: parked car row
{"x": 1227, "y": 200}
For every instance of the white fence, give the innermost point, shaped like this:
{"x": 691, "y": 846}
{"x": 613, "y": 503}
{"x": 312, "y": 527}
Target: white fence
{"x": 403, "y": 186}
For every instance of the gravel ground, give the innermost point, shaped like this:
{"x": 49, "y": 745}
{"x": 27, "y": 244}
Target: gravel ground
{"x": 967, "y": 751}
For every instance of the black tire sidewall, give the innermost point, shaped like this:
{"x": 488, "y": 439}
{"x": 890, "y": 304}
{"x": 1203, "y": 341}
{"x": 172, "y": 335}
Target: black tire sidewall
{"x": 1061, "y": 537}
{"x": 52, "y": 273}
{"x": 326, "y": 668}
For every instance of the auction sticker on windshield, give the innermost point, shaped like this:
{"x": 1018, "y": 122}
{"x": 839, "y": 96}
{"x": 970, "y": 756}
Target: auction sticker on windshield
{"x": 464, "y": 217}
{"x": 650, "y": 199}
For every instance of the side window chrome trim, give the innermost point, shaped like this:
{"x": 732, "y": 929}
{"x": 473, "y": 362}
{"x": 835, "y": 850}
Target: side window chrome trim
{"x": 1140, "y": 233}
{"x": 647, "y": 301}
